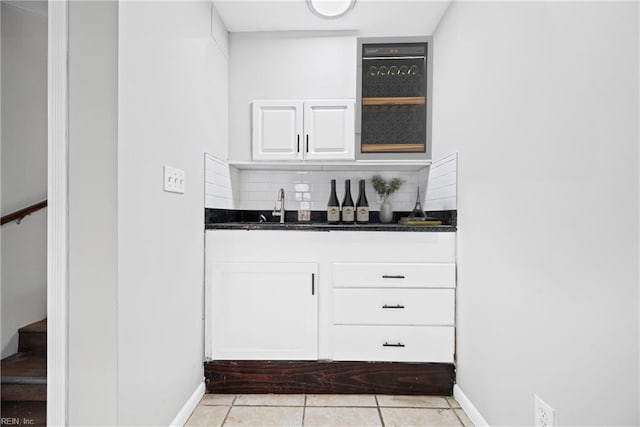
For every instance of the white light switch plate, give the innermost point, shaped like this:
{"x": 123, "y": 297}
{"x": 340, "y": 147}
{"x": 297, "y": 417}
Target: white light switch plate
{"x": 173, "y": 179}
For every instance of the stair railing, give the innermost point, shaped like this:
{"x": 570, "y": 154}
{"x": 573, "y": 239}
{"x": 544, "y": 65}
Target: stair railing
{"x": 19, "y": 215}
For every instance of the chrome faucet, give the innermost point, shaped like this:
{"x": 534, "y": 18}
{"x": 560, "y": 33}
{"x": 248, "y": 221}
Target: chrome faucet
{"x": 280, "y": 212}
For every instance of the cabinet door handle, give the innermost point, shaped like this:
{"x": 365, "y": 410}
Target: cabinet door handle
{"x": 393, "y": 306}
{"x": 298, "y": 143}
{"x": 386, "y": 344}
{"x": 307, "y": 143}
{"x": 313, "y": 283}
{"x": 393, "y": 276}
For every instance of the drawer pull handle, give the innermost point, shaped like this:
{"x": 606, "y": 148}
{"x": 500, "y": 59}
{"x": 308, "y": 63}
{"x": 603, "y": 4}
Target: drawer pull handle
{"x": 393, "y": 306}
{"x": 393, "y": 276}
{"x": 386, "y": 344}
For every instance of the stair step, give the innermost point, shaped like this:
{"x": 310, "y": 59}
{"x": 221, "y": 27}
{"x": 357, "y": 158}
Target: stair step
{"x": 33, "y": 338}
{"x": 24, "y": 377}
{"x": 24, "y": 413}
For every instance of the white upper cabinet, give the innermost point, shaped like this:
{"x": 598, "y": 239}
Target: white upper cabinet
{"x": 303, "y": 130}
{"x": 329, "y": 129}
{"x": 277, "y": 130}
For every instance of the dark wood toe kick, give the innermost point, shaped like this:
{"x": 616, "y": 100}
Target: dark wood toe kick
{"x": 328, "y": 377}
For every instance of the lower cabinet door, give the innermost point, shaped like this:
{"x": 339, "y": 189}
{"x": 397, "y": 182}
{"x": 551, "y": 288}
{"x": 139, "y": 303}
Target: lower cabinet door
{"x": 394, "y": 343}
{"x": 264, "y": 311}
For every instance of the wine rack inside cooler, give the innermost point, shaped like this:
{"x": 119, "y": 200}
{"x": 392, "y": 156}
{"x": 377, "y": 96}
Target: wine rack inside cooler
{"x": 394, "y": 94}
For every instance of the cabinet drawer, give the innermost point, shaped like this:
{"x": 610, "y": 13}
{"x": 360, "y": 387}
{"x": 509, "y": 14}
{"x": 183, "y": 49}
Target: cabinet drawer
{"x": 394, "y": 343}
{"x": 411, "y": 275}
{"x": 394, "y": 306}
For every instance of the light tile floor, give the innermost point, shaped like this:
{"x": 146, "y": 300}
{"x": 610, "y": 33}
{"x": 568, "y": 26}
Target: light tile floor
{"x": 327, "y": 410}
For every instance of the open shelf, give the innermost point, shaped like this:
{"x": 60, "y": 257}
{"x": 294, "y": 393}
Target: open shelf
{"x": 360, "y": 165}
{"x": 393, "y": 148}
{"x": 394, "y": 100}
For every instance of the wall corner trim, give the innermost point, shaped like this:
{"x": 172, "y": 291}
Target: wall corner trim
{"x": 57, "y": 214}
{"x": 474, "y": 415}
{"x": 183, "y": 416}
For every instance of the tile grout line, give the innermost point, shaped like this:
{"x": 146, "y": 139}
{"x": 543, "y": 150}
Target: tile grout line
{"x": 458, "y": 417}
{"x": 417, "y": 407}
{"x": 264, "y": 406}
{"x": 454, "y": 411}
{"x": 304, "y": 409}
{"x": 379, "y": 410}
{"x": 342, "y": 406}
{"x": 224, "y": 421}
{"x": 450, "y": 405}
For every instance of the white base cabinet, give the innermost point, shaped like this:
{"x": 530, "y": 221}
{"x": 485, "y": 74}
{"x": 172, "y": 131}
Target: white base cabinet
{"x": 394, "y": 307}
{"x": 397, "y": 312}
{"x": 393, "y": 343}
{"x": 376, "y": 296}
{"x": 265, "y": 311}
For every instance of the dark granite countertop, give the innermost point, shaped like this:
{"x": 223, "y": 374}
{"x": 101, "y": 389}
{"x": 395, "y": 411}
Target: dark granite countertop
{"x": 220, "y": 219}
{"x": 302, "y": 226}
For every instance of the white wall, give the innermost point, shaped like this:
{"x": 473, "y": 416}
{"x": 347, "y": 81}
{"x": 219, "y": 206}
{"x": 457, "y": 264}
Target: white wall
{"x": 172, "y": 88}
{"x": 24, "y": 169}
{"x": 288, "y": 65}
{"x": 540, "y": 100}
{"x": 93, "y": 263}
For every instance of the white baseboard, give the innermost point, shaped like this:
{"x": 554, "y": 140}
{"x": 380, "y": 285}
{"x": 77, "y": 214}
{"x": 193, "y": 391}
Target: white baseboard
{"x": 476, "y": 418}
{"x": 183, "y": 416}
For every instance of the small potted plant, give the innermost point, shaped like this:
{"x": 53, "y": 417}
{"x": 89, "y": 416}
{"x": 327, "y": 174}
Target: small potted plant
{"x": 384, "y": 190}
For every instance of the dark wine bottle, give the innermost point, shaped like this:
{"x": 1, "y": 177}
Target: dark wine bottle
{"x": 362, "y": 206}
{"x": 347, "y": 204}
{"x": 333, "y": 207}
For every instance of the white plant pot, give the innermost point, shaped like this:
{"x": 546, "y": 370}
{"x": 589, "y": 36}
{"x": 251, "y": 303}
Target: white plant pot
{"x": 386, "y": 212}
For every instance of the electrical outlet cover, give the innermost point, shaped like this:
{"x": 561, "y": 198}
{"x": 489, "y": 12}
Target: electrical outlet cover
{"x": 544, "y": 414}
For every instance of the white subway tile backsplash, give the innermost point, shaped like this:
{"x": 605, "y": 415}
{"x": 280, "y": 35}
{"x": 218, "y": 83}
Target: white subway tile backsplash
{"x": 218, "y": 202}
{"x": 442, "y": 187}
{"x": 218, "y": 187}
{"x": 250, "y": 186}
{"x": 231, "y": 188}
{"x": 257, "y": 196}
{"x": 313, "y": 187}
{"x": 265, "y": 186}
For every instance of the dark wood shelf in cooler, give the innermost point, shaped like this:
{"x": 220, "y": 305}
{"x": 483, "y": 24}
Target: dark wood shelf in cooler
{"x": 391, "y": 148}
{"x": 395, "y": 100}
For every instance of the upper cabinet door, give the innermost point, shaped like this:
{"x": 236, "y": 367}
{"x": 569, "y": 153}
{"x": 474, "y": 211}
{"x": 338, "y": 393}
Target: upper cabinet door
{"x": 277, "y": 130}
{"x": 329, "y": 129}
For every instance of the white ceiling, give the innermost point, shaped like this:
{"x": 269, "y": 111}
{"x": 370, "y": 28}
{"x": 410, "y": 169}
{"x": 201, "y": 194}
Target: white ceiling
{"x": 368, "y": 17}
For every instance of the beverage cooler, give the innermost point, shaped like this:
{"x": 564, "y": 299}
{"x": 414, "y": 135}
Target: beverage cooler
{"x": 394, "y": 98}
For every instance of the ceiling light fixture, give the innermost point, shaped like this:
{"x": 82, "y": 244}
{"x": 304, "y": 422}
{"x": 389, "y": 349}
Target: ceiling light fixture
{"x": 331, "y": 8}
